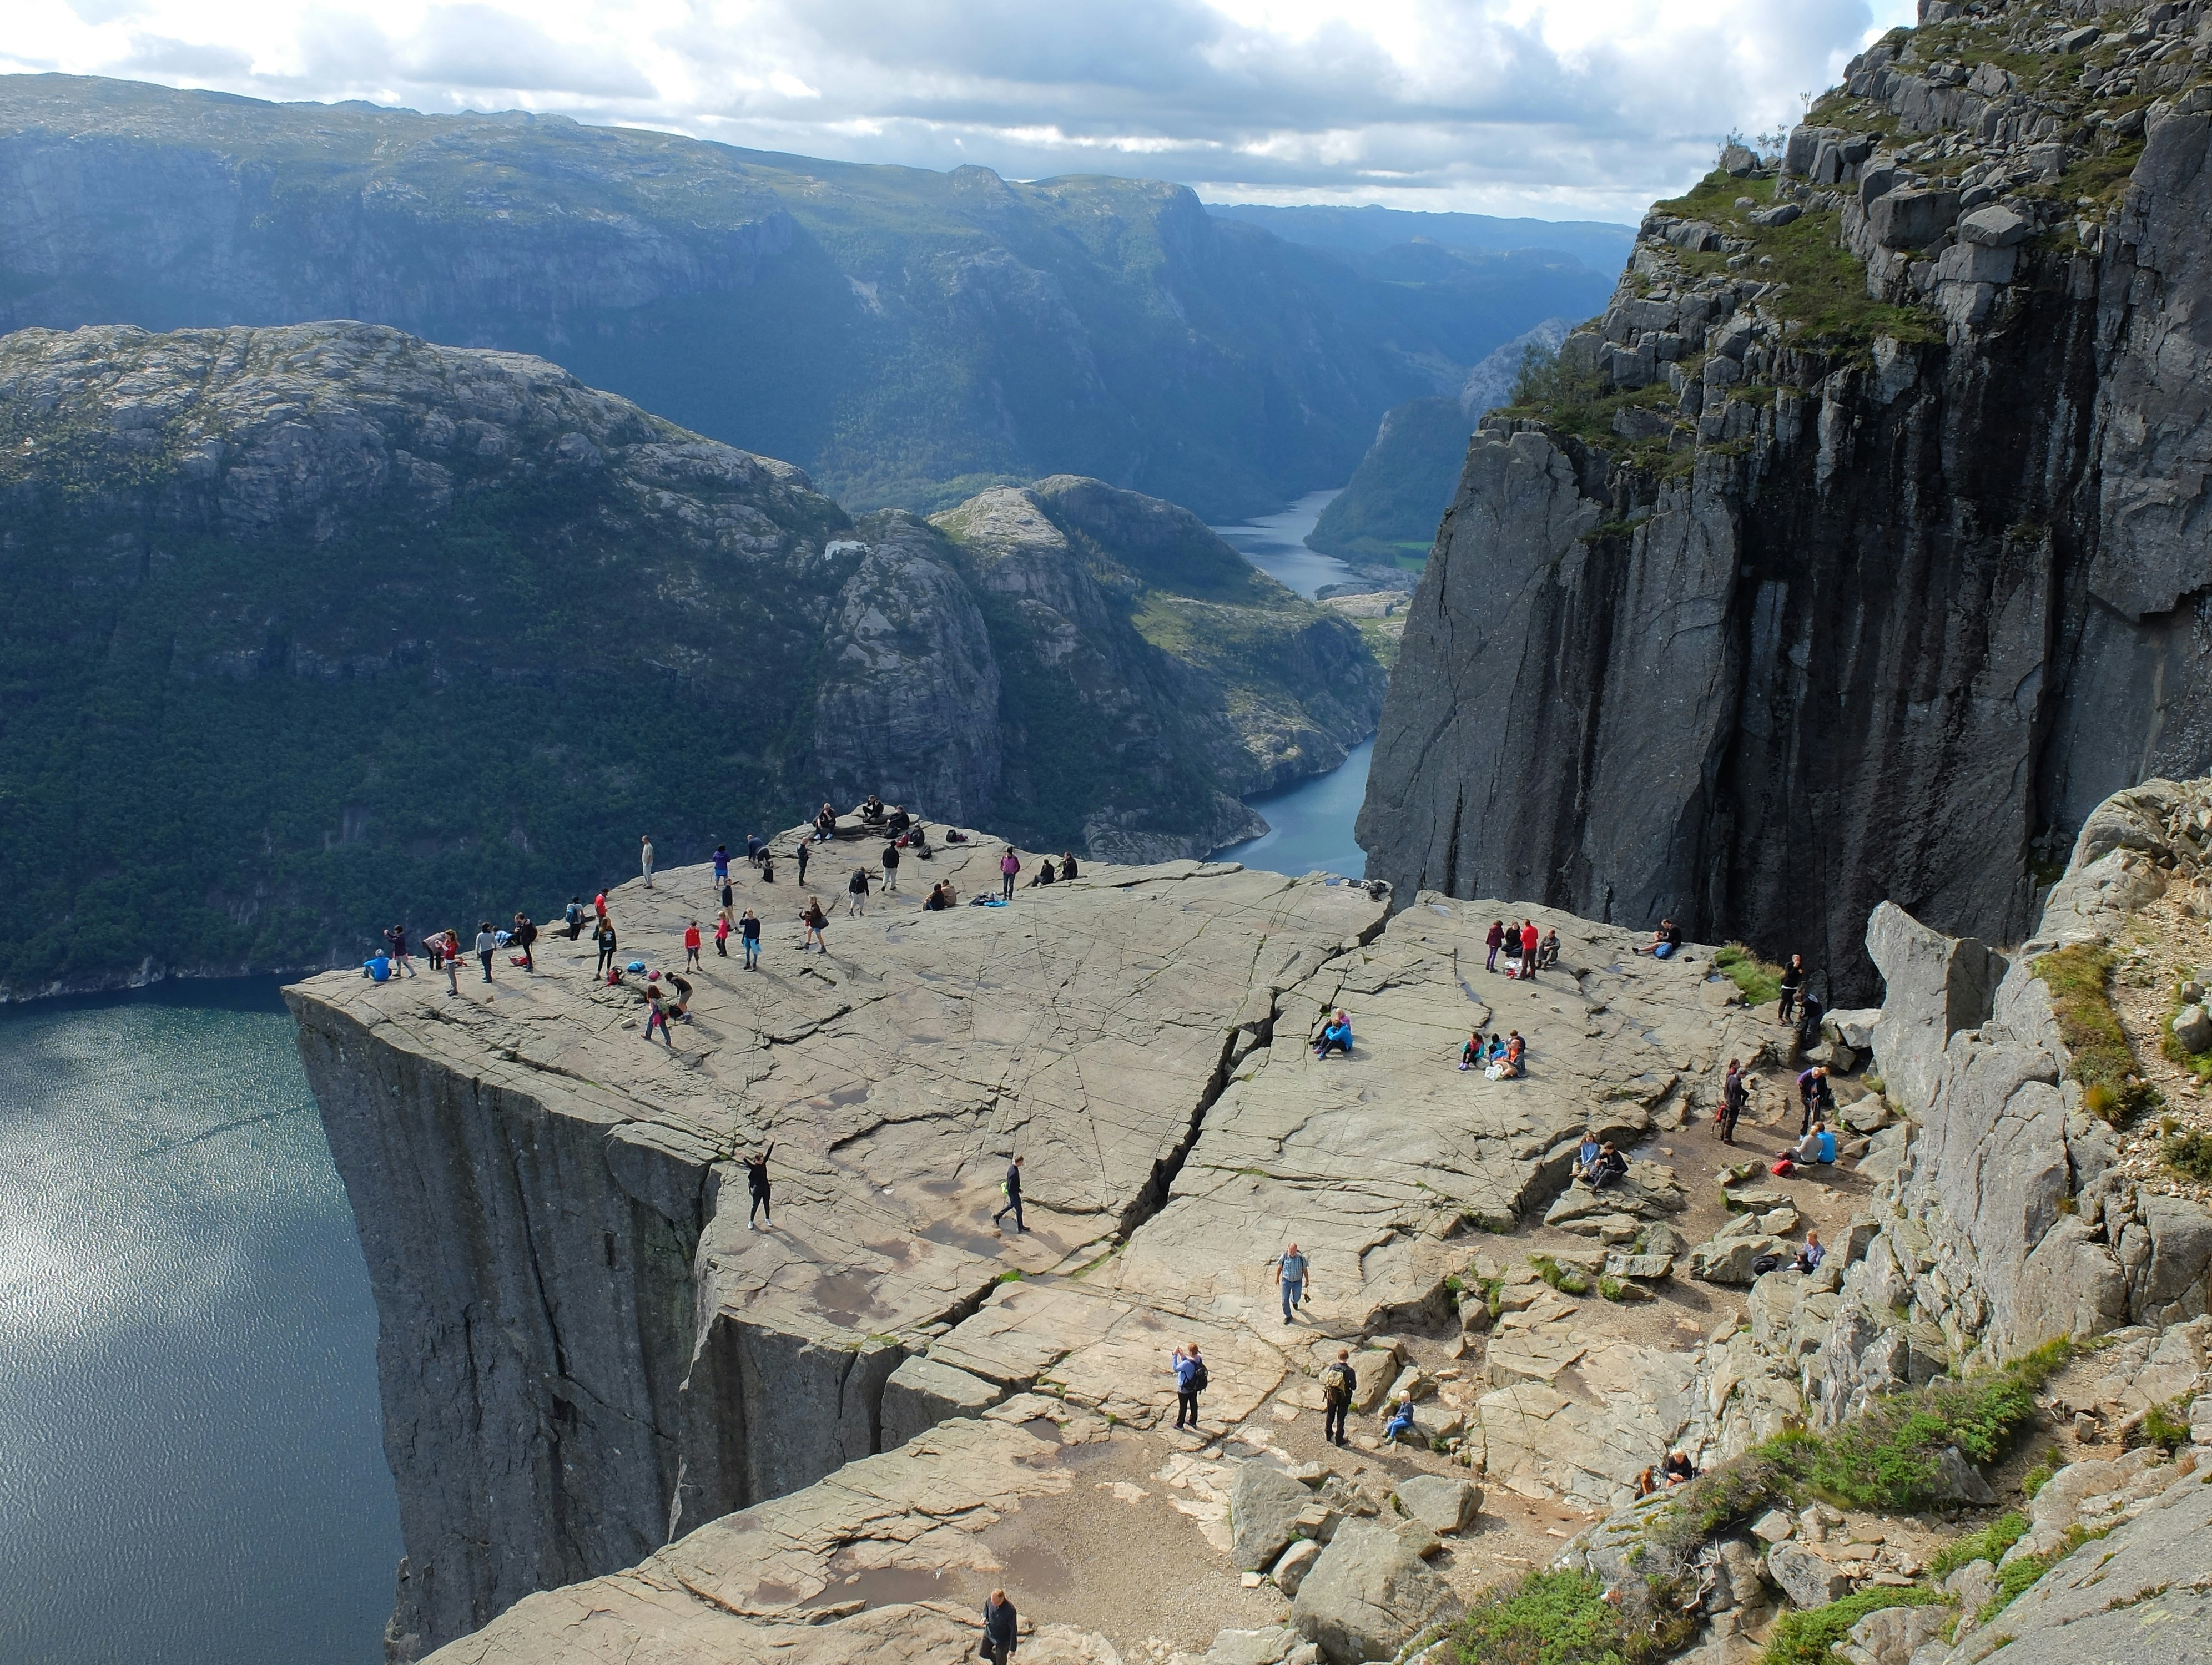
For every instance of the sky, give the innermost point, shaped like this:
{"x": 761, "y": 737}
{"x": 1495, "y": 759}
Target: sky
{"x": 1567, "y": 109}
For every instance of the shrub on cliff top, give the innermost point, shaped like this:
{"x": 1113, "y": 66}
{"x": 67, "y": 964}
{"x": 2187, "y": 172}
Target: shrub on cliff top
{"x": 1808, "y": 1638}
{"x": 1546, "y": 1619}
{"x": 1759, "y": 981}
{"x": 2078, "y": 977}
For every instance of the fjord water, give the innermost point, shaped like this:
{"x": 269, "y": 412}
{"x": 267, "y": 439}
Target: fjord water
{"x": 190, "y": 1466}
{"x": 1309, "y": 824}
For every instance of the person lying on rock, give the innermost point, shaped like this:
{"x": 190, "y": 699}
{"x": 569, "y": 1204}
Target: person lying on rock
{"x": 1335, "y": 1035}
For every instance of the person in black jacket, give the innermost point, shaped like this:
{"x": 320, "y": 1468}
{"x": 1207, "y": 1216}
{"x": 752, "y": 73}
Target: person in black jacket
{"x": 757, "y": 1182}
{"x": 1793, "y": 979}
{"x": 1734, "y": 1093}
{"x": 1013, "y": 1198}
{"x": 1001, "y": 1635}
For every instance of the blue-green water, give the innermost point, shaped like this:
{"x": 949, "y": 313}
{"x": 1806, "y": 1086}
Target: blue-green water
{"x": 1309, "y": 824}
{"x": 191, "y": 1466}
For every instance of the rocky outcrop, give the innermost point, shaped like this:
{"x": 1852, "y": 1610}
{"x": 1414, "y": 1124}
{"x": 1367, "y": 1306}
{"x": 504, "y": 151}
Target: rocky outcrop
{"x": 1852, "y": 551}
{"x": 481, "y": 619}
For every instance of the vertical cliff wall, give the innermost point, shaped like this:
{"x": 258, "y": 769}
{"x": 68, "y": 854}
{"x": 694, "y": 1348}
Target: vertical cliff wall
{"x": 1861, "y": 547}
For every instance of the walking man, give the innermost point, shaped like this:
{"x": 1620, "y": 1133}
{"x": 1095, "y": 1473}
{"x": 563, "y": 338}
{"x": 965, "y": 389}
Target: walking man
{"x": 1734, "y": 1093}
{"x": 692, "y": 940}
{"x": 487, "y": 945}
{"x": 856, "y": 894}
{"x": 756, "y": 1184}
{"x": 1290, "y": 1273}
{"x": 1339, "y": 1382}
{"x": 1012, "y": 1188}
{"x": 1009, "y": 866}
{"x": 395, "y": 941}
{"x": 644, "y": 857}
{"x": 1000, "y": 1632}
{"x": 890, "y": 867}
{"x": 1190, "y": 1383}
{"x": 749, "y": 939}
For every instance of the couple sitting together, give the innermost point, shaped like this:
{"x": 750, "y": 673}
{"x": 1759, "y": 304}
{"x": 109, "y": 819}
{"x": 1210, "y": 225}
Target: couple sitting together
{"x": 1598, "y": 1165}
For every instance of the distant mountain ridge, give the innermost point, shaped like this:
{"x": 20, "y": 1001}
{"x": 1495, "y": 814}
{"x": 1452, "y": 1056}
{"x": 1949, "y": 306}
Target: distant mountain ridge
{"x": 1599, "y": 244}
{"x": 908, "y": 337}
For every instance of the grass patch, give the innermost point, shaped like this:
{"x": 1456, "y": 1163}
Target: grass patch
{"x": 1759, "y": 980}
{"x": 2187, "y": 1153}
{"x": 1887, "y": 1458}
{"x": 2166, "y": 1426}
{"x": 2039, "y": 1476}
{"x": 1563, "y": 1278}
{"x": 2015, "y": 1577}
{"x": 1546, "y": 1619}
{"x": 2079, "y": 979}
{"x": 1011, "y": 1275}
{"x": 1810, "y": 1637}
{"x": 1610, "y": 1288}
{"x": 1989, "y": 1544}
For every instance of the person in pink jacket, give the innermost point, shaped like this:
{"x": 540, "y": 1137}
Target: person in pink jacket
{"x": 1009, "y": 866}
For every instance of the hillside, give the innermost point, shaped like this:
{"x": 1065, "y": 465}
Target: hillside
{"x": 311, "y": 627}
{"x": 1860, "y": 549}
{"x": 904, "y": 335}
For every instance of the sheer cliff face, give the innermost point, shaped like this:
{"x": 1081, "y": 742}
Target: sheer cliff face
{"x": 1863, "y": 542}
{"x": 379, "y": 630}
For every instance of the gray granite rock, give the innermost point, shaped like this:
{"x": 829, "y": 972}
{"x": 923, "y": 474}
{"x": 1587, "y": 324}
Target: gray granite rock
{"x": 1442, "y": 1504}
{"x": 1807, "y": 1577}
{"x": 1367, "y": 1595}
{"x": 922, "y": 1393}
{"x": 1264, "y": 1506}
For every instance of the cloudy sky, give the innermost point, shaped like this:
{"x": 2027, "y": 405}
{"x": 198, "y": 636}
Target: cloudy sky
{"x": 1567, "y": 108}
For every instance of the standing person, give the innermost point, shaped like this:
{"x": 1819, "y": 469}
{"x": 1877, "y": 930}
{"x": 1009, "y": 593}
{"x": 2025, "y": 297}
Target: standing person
{"x": 856, "y": 893}
{"x": 1793, "y": 979}
{"x": 1011, "y": 1185}
{"x": 656, "y": 1016}
{"x": 1734, "y": 1094}
{"x": 749, "y": 939}
{"x": 573, "y": 914}
{"x": 604, "y": 938}
{"x": 1190, "y": 1383}
{"x": 1809, "y": 1013}
{"x": 756, "y": 1184}
{"x": 729, "y": 899}
{"x": 803, "y": 854}
{"x": 721, "y": 865}
{"x": 722, "y": 934}
{"x": 1813, "y": 1088}
{"x": 396, "y": 943}
{"x": 524, "y": 935}
{"x": 599, "y": 906}
{"x": 1009, "y": 866}
{"x": 1290, "y": 1273}
{"x": 692, "y": 940}
{"x": 1530, "y": 936}
{"x": 1339, "y": 1382}
{"x": 449, "y": 948}
{"x": 1495, "y": 941}
{"x": 487, "y": 945}
{"x": 890, "y": 867}
{"x": 644, "y": 857}
{"x": 814, "y": 920}
{"x": 768, "y": 865}
{"x": 1001, "y": 1634}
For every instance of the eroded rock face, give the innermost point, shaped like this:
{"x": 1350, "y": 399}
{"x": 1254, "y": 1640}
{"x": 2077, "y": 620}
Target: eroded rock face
{"x": 1367, "y": 1595}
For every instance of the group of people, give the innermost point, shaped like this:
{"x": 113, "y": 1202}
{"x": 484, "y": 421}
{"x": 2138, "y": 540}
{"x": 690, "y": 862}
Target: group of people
{"x": 1503, "y": 1057}
{"x": 1527, "y": 950}
{"x": 1598, "y": 1162}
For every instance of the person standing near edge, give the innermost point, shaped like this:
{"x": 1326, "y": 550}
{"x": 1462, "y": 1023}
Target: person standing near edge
{"x": 1012, "y": 1188}
{"x": 1339, "y": 1382}
{"x": 1494, "y": 941}
{"x": 1793, "y": 979}
{"x": 487, "y": 945}
{"x": 1290, "y": 1273}
{"x": 644, "y": 857}
{"x": 721, "y": 865}
{"x": 890, "y": 864}
{"x": 756, "y": 1184}
{"x": 749, "y": 939}
{"x": 1190, "y": 1383}
{"x": 1001, "y": 1634}
{"x": 1009, "y": 866}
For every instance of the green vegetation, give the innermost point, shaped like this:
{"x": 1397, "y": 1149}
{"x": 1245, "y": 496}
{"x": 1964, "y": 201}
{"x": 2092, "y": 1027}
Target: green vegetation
{"x": 1887, "y": 1457}
{"x": 2188, "y": 1153}
{"x": 2039, "y": 1476}
{"x": 2166, "y": 1426}
{"x": 1548, "y": 1618}
{"x": 2015, "y": 1576}
{"x": 1808, "y": 1638}
{"x": 1402, "y": 488}
{"x": 2079, "y": 977}
{"x": 1759, "y": 980}
{"x": 1563, "y": 1278}
{"x": 1989, "y": 1544}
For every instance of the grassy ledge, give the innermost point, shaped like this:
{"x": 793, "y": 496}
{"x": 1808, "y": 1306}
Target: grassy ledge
{"x": 2079, "y": 978}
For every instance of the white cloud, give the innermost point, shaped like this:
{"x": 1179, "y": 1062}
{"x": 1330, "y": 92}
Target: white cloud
{"x": 1574, "y": 107}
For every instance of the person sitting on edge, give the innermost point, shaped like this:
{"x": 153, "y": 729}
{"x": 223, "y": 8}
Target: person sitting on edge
{"x": 1470, "y": 1056}
{"x": 1336, "y": 1033}
{"x": 1677, "y": 1469}
{"x": 1664, "y": 941}
{"x": 1811, "y": 1253}
{"x": 1610, "y": 1168}
{"x": 900, "y": 820}
{"x": 1067, "y": 867}
{"x": 1586, "y": 1156}
{"x": 1046, "y": 873}
{"x": 1401, "y": 1424}
{"x": 825, "y": 825}
{"x": 871, "y": 809}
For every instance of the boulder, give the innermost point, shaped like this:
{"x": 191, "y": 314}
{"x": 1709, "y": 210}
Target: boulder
{"x": 1887, "y": 1636}
{"x": 1854, "y": 1027}
{"x": 1738, "y": 162}
{"x": 1932, "y": 986}
{"x": 1372, "y": 1372}
{"x": 1266, "y": 1647}
{"x": 1774, "y": 1526}
{"x": 1780, "y": 214}
{"x": 1438, "y": 1422}
{"x": 1366, "y": 1594}
{"x": 1649, "y": 1267}
{"x": 922, "y": 1393}
{"x": 2192, "y": 1027}
{"x": 1958, "y": 1481}
{"x": 1808, "y": 1579}
{"x": 1291, "y": 1567}
{"x": 1441, "y": 1504}
{"x": 1728, "y": 1260}
{"x": 1419, "y": 1537}
{"x": 1665, "y": 1241}
{"x": 1264, "y": 1505}
{"x": 1911, "y": 217}
{"x": 1996, "y": 227}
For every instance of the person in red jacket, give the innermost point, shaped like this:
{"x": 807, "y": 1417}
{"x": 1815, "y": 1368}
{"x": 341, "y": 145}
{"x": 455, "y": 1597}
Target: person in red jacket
{"x": 691, "y": 947}
{"x": 1529, "y": 938}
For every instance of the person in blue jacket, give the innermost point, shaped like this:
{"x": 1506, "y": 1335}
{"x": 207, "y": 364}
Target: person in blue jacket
{"x": 1337, "y": 1034}
{"x": 1401, "y": 1424}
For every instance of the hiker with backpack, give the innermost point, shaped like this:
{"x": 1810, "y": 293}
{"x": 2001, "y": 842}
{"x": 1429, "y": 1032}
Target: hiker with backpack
{"x": 1190, "y": 1383}
{"x": 1339, "y": 1382}
{"x": 1012, "y": 1190}
{"x": 1290, "y": 1273}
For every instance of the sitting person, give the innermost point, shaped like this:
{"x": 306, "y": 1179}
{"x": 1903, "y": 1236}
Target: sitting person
{"x": 1827, "y": 1137}
{"x": 1495, "y": 1050}
{"x": 900, "y": 819}
{"x": 1806, "y": 1149}
{"x": 935, "y": 904}
{"x": 1067, "y": 868}
{"x": 870, "y": 809}
{"x": 1517, "y": 1055}
{"x": 1610, "y": 1168}
{"x": 1664, "y": 941}
{"x": 825, "y": 825}
{"x": 1401, "y": 1424}
{"x": 1547, "y": 952}
{"x": 1811, "y": 1253}
{"x": 1046, "y": 873}
{"x": 1677, "y": 1469}
{"x": 1336, "y": 1033}
{"x": 1586, "y": 1156}
{"x": 1470, "y": 1056}
{"x": 1647, "y": 1482}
